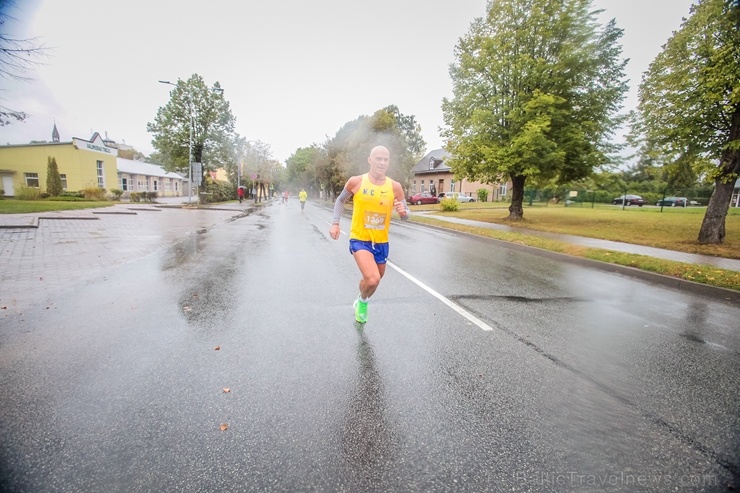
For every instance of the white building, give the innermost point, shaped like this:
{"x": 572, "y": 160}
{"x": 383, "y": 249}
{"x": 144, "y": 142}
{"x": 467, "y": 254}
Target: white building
{"x": 138, "y": 176}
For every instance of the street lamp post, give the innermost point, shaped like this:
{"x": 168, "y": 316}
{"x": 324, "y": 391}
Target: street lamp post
{"x": 190, "y": 139}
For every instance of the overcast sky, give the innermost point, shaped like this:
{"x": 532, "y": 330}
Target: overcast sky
{"x": 293, "y": 72}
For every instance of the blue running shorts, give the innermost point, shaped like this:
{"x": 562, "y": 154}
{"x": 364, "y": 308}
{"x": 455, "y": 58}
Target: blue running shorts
{"x": 379, "y": 250}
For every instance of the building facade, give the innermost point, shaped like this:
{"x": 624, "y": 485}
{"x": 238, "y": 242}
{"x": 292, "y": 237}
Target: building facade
{"x": 83, "y": 164}
{"x": 138, "y": 176}
{"x": 433, "y": 175}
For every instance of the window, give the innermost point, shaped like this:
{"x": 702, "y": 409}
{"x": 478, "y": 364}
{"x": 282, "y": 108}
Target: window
{"x": 502, "y": 189}
{"x": 176, "y": 185}
{"x": 124, "y": 184}
{"x": 156, "y": 185}
{"x": 422, "y": 186}
{"x": 143, "y": 186}
{"x": 64, "y": 181}
{"x": 32, "y": 180}
{"x": 101, "y": 176}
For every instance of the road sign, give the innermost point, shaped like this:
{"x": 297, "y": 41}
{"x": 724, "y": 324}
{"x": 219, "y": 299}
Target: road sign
{"x": 197, "y": 173}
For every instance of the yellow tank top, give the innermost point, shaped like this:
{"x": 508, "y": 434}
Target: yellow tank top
{"x": 371, "y": 212}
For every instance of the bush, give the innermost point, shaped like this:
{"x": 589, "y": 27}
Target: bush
{"x": 53, "y": 178}
{"x": 150, "y": 196}
{"x": 116, "y": 193}
{"x": 69, "y": 198}
{"x": 218, "y": 191}
{"x": 77, "y": 195}
{"x": 94, "y": 193}
{"x": 26, "y": 193}
{"x": 135, "y": 197}
{"x": 482, "y": 195}
{"x": 44, "y": 195}
{"x": 449, "y": 205}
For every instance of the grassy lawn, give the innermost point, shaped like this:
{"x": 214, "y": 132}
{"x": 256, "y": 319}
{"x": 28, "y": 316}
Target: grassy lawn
{"x": 673, "y": 229}
{"x": 12, "y": 206}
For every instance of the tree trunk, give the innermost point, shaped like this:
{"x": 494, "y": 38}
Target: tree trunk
{"x": 516, "y": 212}
{"x": 713, "y": 226}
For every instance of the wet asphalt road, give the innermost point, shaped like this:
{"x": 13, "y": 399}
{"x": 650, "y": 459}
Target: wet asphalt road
{"x": 481, "y": 369}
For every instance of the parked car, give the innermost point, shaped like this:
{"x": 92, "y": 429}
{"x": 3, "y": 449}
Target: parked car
{"x": 422, "y": 198}
{"x": 629, "y": 200}
{"x": 460, "y": 197}
{"x": 673, "y": 202}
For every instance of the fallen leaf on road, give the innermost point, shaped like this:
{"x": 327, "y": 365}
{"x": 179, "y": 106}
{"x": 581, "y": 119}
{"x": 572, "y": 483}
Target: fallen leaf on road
{"x": 224, "y": 426}
{"x": 217, "y": 348}
{"x": 227, "y": 390}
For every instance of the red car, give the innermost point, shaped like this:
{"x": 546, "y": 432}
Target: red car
{"x": 630, "y": 200}
{"x": 422, "y": 198}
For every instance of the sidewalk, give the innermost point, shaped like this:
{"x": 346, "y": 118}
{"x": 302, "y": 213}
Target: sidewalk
{"x": 689, "y": 258}
{"x": 31, "y": 220}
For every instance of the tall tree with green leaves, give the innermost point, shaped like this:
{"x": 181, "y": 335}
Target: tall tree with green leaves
{"x": 690, "y": 102}
{"x": 304, "y": 165}
{"x": 53, "y": 178}
{"x": 537, "y": 89}
{"x": 196, "y": 119}
{"x": 348, "y": 150}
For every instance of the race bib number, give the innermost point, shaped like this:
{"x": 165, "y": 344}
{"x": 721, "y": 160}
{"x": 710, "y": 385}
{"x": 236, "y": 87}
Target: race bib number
{"x": 374, "y": 220}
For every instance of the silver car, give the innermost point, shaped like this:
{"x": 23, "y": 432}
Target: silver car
{"x": 460, "y": 197}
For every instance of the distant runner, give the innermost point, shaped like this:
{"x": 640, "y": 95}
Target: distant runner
{"x": 302, "y": 196}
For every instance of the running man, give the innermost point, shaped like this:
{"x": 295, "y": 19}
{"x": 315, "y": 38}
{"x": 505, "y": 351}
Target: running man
{"x": 302, "y": 196}
{"x": 375, "y": 198}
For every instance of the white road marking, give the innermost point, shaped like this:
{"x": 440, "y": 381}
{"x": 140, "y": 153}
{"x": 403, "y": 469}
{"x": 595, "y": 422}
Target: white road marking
{"x": 462, "y": 311}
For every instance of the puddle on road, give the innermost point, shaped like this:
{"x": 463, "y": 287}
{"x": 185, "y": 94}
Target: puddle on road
{"x": 518, "y": 299}
{"x": 184, "y": 250}
{"x": 699, "y": 340}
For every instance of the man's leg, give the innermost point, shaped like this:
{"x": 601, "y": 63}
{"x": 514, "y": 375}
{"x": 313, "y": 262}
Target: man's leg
{"x": 371, "y": 272}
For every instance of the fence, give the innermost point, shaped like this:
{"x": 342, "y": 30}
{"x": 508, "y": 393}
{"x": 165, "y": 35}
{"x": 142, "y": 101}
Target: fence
{"x": 590, "y": 198}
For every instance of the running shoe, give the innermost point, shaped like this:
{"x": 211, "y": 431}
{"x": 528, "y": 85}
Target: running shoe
{"x": 360, "y": 310}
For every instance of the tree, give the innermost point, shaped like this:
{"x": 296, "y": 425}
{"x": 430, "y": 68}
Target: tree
{"x": 537, "y": 86}
{"x": 259, "y": 167}
{"x": 302, "y": 167}
{"x": 348, "y": 150}
{"x": 53, "y": 178}
{"x": 211, "y": 139}
{"x": 132, "y": 154}
{"x": 16, "y": 57}
{"x": 690, "y": 102}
